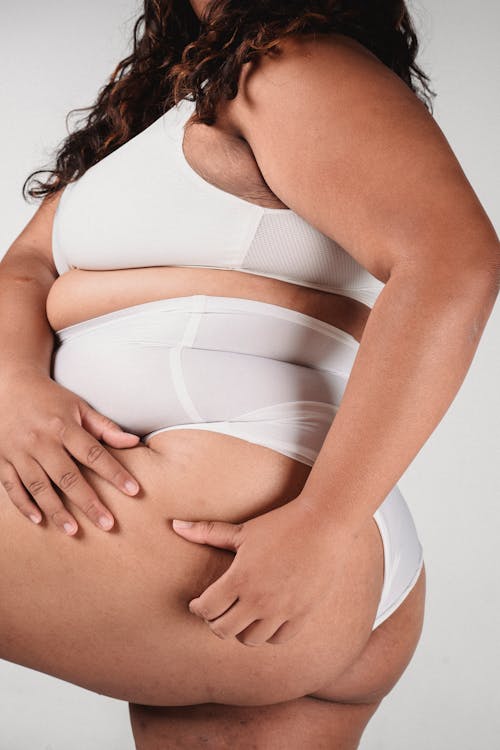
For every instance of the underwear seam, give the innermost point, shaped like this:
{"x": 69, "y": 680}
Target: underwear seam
{"x": 284, "y": 313}
{"x": 175, "y": 359}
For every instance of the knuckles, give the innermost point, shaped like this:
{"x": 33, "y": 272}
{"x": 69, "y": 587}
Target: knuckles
{"x": 32, "y": 437}
{"x": 94, "y": 453}
{"x": 107, "y": 423}
{"x": 68, "y": 480}
{"x": 262, "y": 603}
{"x": 207, "y": 527}
{"x": 56, "y": 425}
{"x": 200, "y": 611}
{"x": 8, "y": 485}
{"x": 37, "y": 486}
{"x": 91, "y": 509}
{"x": 258, "y": 601}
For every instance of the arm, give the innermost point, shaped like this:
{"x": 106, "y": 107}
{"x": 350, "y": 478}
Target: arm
{"x": 416, "y": 349}
{"x": 376, "y": 173}
{"x": 27, "y": 272}
{"x": 343, "y": 142}
{"x": 38, "y": 439}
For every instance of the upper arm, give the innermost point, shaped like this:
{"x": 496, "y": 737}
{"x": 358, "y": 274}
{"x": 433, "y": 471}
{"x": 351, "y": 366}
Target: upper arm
{"x": 344, "y": 142}
{"x": 36, "y": 237}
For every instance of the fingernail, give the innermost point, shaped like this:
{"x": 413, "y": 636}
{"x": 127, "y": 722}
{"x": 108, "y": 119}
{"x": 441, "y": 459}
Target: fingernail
{"x": 35, "y": 518}
{"x": 69, "y": 527}
{"x": 131, "y": 486}
{"x": 181, "y": 524}
{"x": 105, "y": 522}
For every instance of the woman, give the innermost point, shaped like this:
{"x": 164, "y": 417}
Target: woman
{"x": 232, "y": 373}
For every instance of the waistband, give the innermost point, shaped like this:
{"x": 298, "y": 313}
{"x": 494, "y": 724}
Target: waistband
{"x": 200, "y": 303}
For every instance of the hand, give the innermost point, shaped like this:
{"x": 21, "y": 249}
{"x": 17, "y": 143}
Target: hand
{"x": 284, "y": 565}
{"x": 43, "y": 425}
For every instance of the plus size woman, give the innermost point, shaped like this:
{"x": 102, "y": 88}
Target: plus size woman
{"x": 254, "y": 285}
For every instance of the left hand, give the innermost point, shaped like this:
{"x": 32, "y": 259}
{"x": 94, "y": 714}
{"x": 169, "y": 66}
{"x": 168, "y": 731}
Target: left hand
{"x": 286, "y": 561}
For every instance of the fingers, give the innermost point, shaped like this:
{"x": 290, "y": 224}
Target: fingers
{"x": 250, "y": 621}
{"x": 232, "y": 622}
{"x": 41, "y": 457}
{"x": 89, "y": 452}
{"x": 219, "y": 534}
{"x": 227, "y": 616}
{"x": 287, "y": 631}
{"x": 260, "y": 631}
{"x": 66, "y": 475}
{"x": 215, "y": 600}
{"x": 105, "y": 429}
{"x": 9, "y": 479}
{"x": 239, "y": 622}
{"x": 38, "y": 484}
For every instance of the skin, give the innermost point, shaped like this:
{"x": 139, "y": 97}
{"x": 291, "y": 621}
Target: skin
{"x": 199, "y": 6}
{"x": 394, "y": 371}
{"x": 349, "y": 668}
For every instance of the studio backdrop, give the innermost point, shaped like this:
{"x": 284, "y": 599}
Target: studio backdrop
{"x": 54, "y": 56}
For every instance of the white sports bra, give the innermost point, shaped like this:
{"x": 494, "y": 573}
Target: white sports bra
{"x": 143, "y": 205}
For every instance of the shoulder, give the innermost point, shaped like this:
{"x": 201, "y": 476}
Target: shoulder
{"x": 342, "y": 140}
{"x": 331, "y": 102}
{"x": 316, "y": 67}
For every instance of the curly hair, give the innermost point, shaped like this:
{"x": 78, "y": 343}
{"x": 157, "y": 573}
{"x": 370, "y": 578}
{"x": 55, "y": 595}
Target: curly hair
{"x": 174, "y": 52}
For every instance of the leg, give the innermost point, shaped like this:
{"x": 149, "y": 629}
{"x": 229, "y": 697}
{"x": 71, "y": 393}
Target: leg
{"x": 301, "y": 724}
{"x": 111, "y": 609}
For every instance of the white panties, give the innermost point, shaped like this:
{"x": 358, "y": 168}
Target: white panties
{"x": 253, "y": 370}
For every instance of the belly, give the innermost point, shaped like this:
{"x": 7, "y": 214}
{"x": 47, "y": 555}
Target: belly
{"x": 79, "y": 295}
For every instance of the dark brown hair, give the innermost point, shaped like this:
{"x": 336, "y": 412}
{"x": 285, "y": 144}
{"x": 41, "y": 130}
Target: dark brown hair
{"x": 174, "y": 52}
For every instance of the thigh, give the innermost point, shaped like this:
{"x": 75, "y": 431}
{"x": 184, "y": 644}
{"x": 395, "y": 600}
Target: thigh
{"x": 385, "y": 656}
{"x": 300, "y": 724}
{"x": 334, "y": 717}
{"x": 111, "y": 608}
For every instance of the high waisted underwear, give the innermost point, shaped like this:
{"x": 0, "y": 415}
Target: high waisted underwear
{"x": 253, "y": 370}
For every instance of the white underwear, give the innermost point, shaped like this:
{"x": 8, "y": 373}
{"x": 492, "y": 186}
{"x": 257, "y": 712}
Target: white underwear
{"x": 253, "y": 370}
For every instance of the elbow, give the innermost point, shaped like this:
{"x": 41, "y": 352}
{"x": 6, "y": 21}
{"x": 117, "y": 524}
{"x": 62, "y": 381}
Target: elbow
{"x": 490, "y": 269}
{"x": 472, "y": 296}
{"x": 481, "y": 280}
{"x": 454, "y": 275}
{"x": 456, "y": 292}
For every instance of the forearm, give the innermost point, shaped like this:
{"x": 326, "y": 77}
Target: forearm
{"x": 26, "y": 338}
{"x": 416, "y": 349}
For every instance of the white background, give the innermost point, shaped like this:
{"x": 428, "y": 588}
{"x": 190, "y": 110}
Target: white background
{"x": 55, "y": 56}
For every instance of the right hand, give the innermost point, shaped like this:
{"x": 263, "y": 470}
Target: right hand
{"x": 43, "y": 425}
